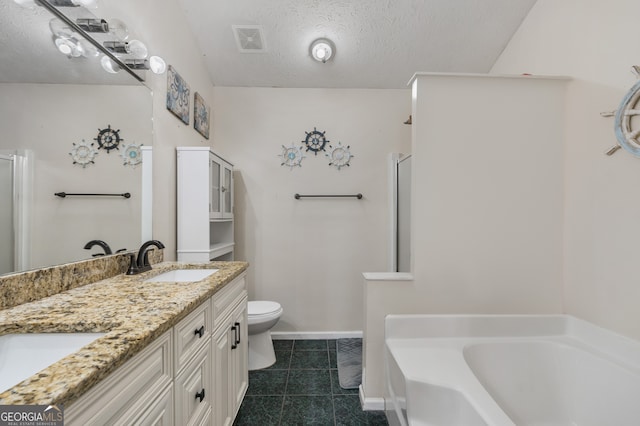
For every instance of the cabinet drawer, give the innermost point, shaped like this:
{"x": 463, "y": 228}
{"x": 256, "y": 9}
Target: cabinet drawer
{"x": 194, "y": 392}
{"x": 190, "y": 334}
{"x": 225, "y": 300}
{"x": 142, "y": 379}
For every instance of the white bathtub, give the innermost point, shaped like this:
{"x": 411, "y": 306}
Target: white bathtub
{"x": 501, "y": 370}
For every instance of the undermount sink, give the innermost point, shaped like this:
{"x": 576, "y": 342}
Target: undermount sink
{"x": 182, "y": 275}
{"x": 23, "y": 355}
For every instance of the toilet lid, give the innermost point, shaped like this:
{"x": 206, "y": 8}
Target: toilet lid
{"x": 262, "y": 307}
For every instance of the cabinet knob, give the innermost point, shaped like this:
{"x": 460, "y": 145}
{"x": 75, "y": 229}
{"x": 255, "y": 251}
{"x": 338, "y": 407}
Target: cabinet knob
{"x": 199, "y": 331}
{"x": 223, "y": 189}
{"x": 200, "y": 395}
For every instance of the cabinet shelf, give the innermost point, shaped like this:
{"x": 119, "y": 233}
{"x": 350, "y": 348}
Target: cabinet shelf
{"x": 217, "y": 250}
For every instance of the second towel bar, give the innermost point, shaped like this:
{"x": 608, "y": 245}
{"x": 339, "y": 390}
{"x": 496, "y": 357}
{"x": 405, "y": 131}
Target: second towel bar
{"x": 358, "y": 196}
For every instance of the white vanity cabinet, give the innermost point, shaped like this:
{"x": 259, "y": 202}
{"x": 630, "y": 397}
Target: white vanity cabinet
{"x": 205, "y": 205}
{"x": 194, "y": 374}
{"x": 139, "y": 392}
{"x": 230, "y": 350}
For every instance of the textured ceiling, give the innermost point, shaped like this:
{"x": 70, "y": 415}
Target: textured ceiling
{"x": 379, "y": 43}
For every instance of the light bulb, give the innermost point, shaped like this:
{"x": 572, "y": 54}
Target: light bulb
{"x": 118, "y": 29}
{"x": 137, "y": 49}
{"x": 89, "y": 4}
{"x": 60, "y": 29}
{"x": 108, "y": 65}
{"x": 157, "y": 65}
{"x": 322, "y": 50}
{"x": 29, "y": 4}
{"x": 68, "y": 47}
{"x": 87, "y": 49}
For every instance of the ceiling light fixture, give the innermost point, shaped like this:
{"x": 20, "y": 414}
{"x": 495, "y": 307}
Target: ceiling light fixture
{"x": 322, "y": 50}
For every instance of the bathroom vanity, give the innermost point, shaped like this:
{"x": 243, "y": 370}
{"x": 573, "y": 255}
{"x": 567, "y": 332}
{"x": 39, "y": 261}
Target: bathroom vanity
{"x": 172, "y": 352}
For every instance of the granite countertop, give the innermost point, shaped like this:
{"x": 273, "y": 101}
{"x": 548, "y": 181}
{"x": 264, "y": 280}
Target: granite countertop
{"x": 131, "y": 312}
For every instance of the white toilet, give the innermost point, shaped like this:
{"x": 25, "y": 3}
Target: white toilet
{"x": 263, "y": 315}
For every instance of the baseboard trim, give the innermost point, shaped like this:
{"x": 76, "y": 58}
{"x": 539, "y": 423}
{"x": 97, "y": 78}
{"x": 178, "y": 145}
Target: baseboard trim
{"x": 370, "y": 404}
{"x": 314, "y": 335}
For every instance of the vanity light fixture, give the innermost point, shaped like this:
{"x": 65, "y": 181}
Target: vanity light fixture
{"x": 155, "y": 63}
{"x": 135, "y": 48}
{"x": 89, "y": 4}
{"x": 322, "y": 50}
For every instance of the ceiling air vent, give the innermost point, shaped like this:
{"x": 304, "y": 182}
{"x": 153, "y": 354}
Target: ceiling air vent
{"x": 249, "y": 38}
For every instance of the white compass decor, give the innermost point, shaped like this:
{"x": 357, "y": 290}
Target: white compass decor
{"x": 626, "y": 126}
{"x": 339, "y": 156}
{"x": 83, "y": 153}
{"x": 291, "y": 156}
{"x": 131, "y": 154}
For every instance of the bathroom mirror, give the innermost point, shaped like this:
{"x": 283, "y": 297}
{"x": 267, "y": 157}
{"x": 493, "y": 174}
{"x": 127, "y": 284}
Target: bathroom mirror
{"x": 68, "y": 126}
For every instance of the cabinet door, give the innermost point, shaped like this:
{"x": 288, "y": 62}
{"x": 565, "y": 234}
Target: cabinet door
{"x": 194, "y": 391}
{"x": 222, "y": 404}
{"x": 239, "y": 356}
{"x": 227, "y": 191}
{"x": 215, "y": 187}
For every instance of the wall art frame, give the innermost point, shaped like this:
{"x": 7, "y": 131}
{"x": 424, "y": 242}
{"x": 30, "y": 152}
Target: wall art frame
{"x": 201, "y": 115}
{"x": 178, "y": 94}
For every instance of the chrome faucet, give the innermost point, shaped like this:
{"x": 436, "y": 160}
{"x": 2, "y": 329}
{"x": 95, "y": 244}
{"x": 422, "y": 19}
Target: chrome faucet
{"x": 142, "y": 263}
{"x": 105, "y": 247}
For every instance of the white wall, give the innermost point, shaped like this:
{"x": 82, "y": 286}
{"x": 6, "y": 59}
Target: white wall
{"x": 487, "y": 194}
{"x": 595, "y": 42}
{"x": 47, "y": 119}
{"x": 309, "y": 254}
{"x": 487, "y": 206}
{"x": 162, "y": 26}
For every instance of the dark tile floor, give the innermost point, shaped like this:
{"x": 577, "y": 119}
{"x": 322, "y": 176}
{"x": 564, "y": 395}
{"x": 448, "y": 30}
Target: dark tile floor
{"x": 302, "y": 388}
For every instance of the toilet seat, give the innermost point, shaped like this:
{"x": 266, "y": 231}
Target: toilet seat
{"x": 263, "y": 308}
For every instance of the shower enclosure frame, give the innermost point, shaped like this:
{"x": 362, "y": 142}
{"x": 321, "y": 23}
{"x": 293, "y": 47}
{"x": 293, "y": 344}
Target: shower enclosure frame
{"x": 21, "y": 198}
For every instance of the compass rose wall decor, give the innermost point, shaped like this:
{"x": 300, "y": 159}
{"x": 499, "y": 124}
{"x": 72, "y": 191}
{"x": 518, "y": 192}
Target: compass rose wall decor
{"x": 315, "y": 141}
{"x": 626, "y": 123}
{"x": 83, "y": 153}
{"x": 339, "y": 156}
{"x": 291, "y": 156}
{"x": 131, "y": 154}
{"x": 108, "y": 138}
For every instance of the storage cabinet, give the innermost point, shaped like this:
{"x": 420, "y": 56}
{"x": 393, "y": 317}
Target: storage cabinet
{"x": 230, "y": 352}
{"x": 221, "y": 188}
{"x": 205, "y": 205}
{"x": 194, "y": 374}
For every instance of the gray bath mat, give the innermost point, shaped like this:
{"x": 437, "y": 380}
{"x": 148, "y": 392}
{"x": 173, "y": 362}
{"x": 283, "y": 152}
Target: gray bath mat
{"x": 349, "y": 356}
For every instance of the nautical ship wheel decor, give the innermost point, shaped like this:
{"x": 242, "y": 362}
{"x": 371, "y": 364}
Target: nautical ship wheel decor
{"x": 291, "y": 156}
{"x": 108, "y": 138}
{"x": 83, "y": 153}
{"x": 315, "y": 141}
{"x": 339, "y": 156}
{"x": 626, "y": 123}
{"x": 131, "y": 154}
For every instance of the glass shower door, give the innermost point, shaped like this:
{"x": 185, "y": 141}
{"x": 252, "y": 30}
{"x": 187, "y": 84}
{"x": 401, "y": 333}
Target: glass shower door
{"x": 7, "y": 237}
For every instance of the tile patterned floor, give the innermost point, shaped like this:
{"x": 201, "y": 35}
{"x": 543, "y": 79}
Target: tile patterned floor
{"x": 302, "y": 388}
